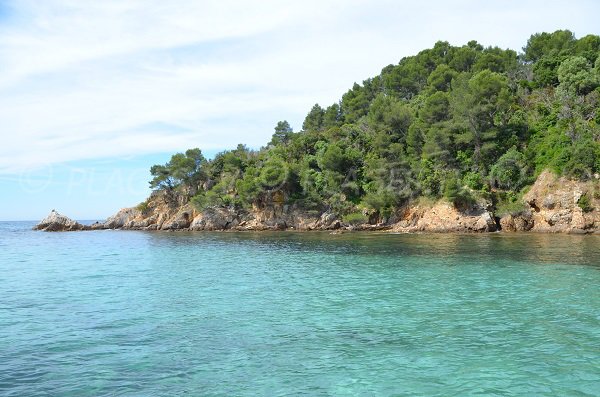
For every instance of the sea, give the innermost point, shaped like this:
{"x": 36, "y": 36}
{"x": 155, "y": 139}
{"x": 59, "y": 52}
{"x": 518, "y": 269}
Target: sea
{"x": 134, "y": 313}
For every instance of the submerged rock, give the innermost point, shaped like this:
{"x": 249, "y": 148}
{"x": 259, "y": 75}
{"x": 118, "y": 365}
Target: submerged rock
{"x": 56, "y": 222}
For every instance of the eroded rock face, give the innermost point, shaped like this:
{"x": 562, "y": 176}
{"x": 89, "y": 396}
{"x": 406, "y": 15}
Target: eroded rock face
{"x": 121, "y": 219}
{"x": 554, "y": 204}
{"x": 445, "y": 217}
{"x": 516, "y": 223}
{"x": 328, "y": 221}
{"x": 56, "y": 222}
{"x": 181, "y": 220}
{"x": 216, "y": 219}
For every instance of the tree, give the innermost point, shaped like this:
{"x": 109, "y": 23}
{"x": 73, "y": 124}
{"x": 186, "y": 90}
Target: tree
{"x": 332, "y": 116}
{"x": 576, "y": 76}
{"x": 588, "y": 47}
{"x": 478, "y": 104}
{"x": 390, "y": 116}
{"x": 314, "y": 119}
{"x": 414, "y": 140}
{"x": 283, "y": 133}
{"x": 544, "y": 44}
{"x": 455, "y": 193}
{"x": 463, "y": 59}
{"x": 436, "y": 108}
{"x": 510, "y": 171}
{"x": 441, "y": 78}
{"x": 577, "y": 79}
{"x": 496, "y": 60}
{"x": 161, "y": 178}
{"x": 355, "y": 103}
{"x": 584, "y": 159}
{"x": 184, "y": 169}
{"x": 338, "y": 159}
{"x": 407, "y": 78}
{"x": 545, "y": 70}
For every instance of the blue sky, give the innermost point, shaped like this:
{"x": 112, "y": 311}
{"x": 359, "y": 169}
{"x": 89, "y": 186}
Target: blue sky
{"x": 93, "y": 93}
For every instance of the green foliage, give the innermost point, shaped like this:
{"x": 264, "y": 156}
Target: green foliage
{"x": 389, "y": 115}
{"x": 355, "y": 218}
{"x": 544, "y": 44}
{"x": 436, "y": 108}
{"x": 407, "y": 78}
{"x": 314, "y": 119}
{"x": 441, "y": 77}
{"x": 183, "y": 169}
{"x": 473, "y": 180}
{"x": 576, "y": 76}
{"x": 332, "y": 116}
{"x": 430, "y": 179}
{"x": 585, "y": 203}
{"x": 545, "y": 71}
{"x": 249, "y": 187}
{"x": 478, "y": 106}
{"x": 283, "y": 133}
{"x": 509, "y": 203}
{"x": 355, "y": 103}
{"x": 464, "y": 58}
{"x": 583, "y": 160}
{"x": 381, "y": 200}
{"x": 453, "y": 122}
{"x": 143, "y": 207}
{"x": 455, "y": 193}
{"x": 496, "y": 60}
{"x": 510, "y": 171}
{"x": 212, "y": 198}
{"x": 274, "y": 174}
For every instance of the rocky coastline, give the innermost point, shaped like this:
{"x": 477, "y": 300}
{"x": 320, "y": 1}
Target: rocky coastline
{"x": 552, "y": 205}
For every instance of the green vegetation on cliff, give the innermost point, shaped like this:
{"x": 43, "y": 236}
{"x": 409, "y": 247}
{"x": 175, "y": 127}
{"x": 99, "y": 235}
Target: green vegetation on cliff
{"x": 455, "y": 122}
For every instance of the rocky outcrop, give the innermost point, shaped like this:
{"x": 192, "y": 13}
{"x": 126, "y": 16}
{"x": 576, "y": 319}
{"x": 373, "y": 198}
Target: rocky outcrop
{"x": 180, "y": 220}
{"x": 283, "y": 217}
{"x": 56, "y": 222}
{"x": 522, "y": 222}
{"x": 445, "y": 217}
{"x": 121, "y": 219}
{"x": 552, "y": 205}
{"x": 558, "y": 205}
{"x": 216, "y": 219}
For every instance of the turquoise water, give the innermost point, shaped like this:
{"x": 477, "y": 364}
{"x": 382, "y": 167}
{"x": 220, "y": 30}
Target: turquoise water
{"x": 115, "y": 313}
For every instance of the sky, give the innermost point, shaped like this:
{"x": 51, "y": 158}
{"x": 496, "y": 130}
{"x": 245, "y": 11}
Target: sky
{"x": 92, "y": 93}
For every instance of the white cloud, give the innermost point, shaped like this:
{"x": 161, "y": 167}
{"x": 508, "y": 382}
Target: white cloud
{"x": 85, "y": 79}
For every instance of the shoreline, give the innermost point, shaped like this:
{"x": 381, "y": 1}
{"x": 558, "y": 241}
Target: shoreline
{"x": 552, "y": 205}
{"x": 382, "y": 231}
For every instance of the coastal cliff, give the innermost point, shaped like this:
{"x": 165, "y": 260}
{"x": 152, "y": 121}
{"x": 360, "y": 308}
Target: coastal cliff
{"x": 553, "y": 204}
{"x": 452, "y": 139}
{"x": 558, "y": 205}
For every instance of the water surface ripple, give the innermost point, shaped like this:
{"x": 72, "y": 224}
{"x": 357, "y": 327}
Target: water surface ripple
{"x": 113, "y": 313}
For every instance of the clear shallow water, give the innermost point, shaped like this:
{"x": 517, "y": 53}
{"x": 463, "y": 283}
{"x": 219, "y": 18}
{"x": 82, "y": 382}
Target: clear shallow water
{"x": 113, "y": 313}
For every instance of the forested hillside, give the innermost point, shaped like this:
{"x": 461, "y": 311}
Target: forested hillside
{"x": 460, "y": 123}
